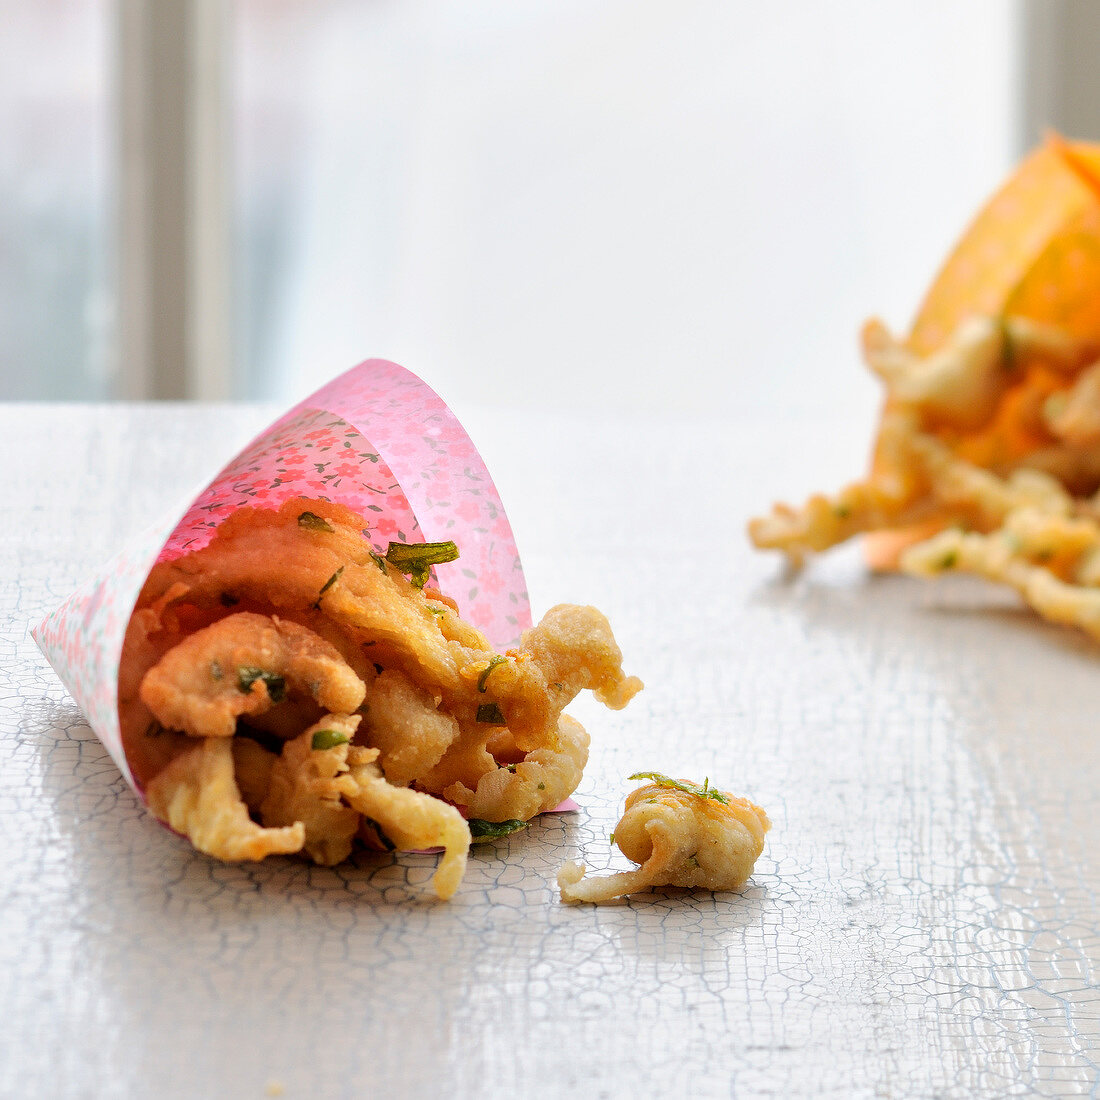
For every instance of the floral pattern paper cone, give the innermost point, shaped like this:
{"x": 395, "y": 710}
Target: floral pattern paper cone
{"x": 378, "y": 440}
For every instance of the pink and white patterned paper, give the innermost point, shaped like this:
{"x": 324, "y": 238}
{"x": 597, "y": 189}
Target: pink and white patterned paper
{"x": 376, "y": 439}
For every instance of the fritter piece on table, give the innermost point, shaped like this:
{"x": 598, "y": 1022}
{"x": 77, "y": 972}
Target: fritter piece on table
{"x": 682, "y": 834}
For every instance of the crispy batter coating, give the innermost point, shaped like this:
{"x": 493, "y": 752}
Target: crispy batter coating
{"x": 404, "y": 722}
{"x": 540, "y": 781}
{"x": 351, "y": 703}
{"x": 410, "y": 819}
{"x": 268, "y": 558}
{"x": 303, "y": 787}
{"x": 197, "y": 795}
{"x": 234, "y": 667}
{"x": 680, "y": 839}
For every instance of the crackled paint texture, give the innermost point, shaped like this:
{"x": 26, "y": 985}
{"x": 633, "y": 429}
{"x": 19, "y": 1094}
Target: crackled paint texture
{"x": 923, "y": 922}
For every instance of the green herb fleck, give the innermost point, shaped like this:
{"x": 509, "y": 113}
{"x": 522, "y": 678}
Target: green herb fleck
{"x": 949, "y": 560}
{"x": 481, "y": 831}
{"x": 542, "y": 786}
{"x": 437, "y": 610}
{"x": 611, "y": 839}
{"x": 417, "y": 559}
{"x": 489, "y": 714}
{"x": 216, "y": 671}
{"x": 842, "y": 511}
{"x": 692, "y": 860}
{"x": 312, "y": 522}
{"x": 327, "y": 739}
{"x": 497, "y": 660}
{"x": 276, "y": 685}
{"x": 330, "y": 582}
{"x": 705, "y": 791}
{"x": 378, "y": 560}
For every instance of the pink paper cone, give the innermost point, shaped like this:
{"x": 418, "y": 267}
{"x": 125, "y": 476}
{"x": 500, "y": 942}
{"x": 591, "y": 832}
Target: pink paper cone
{"x": 377, "y": 440}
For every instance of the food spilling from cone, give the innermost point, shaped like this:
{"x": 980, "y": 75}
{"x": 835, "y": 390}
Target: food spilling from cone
{"x": 332, "y": 650}
{"x": 252, "y": 665}
{"x": 987, "y": 458}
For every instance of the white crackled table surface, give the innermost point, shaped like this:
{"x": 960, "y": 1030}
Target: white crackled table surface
{"x": 923, "y": 921}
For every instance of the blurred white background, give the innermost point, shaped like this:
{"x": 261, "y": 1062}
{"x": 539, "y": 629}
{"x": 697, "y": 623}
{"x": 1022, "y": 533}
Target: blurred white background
{"x": 598, "y": 205}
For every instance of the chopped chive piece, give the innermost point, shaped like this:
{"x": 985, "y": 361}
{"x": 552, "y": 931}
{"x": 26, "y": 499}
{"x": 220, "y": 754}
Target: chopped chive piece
{"x": 417, "y": 559}
{"x": 949, "y": 560}
{"x": 378, "y": 560}
{"x": 491, "y": 830}
{"x": 489, "y": 714}
{"x": 330, "y": 582}
{"x": 327, "y": 739}
{"x": 276, "y": 685}
{"x": 611, "y": 839}
{"x": 705, "y": 791}
{"x": 437, "y": 610}
{"x": 313, "y": 522}
{"x": 497, "y": 660}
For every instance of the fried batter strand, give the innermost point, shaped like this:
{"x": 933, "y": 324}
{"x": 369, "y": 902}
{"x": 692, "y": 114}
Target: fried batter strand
{"x": 197, "y": 795}
{"x": 410, "y": 819}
